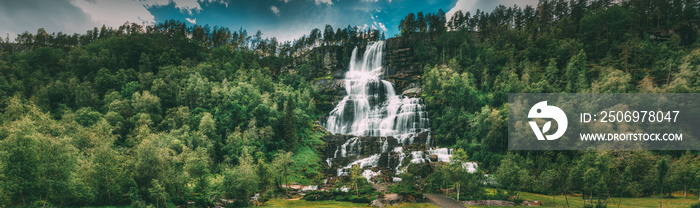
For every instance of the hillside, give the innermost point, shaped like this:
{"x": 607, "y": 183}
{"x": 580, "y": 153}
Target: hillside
{"x": 170, "y": 114}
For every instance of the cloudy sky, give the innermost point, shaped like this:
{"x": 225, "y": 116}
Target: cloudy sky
{"x": 284, "y": 19}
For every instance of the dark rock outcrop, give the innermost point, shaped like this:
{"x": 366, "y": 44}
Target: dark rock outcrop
{"x": 388, "y": 199}
{"x": 400, "y": 68}
{"x": 342, "y": 150}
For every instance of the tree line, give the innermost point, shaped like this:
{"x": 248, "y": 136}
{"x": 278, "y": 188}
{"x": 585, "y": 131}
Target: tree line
{"x": 203, "y": 35}
{"x": 158, "y": 115}
{"x": 165, "y": 114}
{"x": 470, "y": 66}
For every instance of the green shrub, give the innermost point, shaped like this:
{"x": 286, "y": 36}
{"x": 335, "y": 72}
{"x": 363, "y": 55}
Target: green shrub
{"x": 517, "y": 201}
{"x": 201, "y": 201}
{"x": 364, "y": 197}
{"x": 41, "y": 203}
{"x": 695, "y": 205}
{"x": 238, "y": 203}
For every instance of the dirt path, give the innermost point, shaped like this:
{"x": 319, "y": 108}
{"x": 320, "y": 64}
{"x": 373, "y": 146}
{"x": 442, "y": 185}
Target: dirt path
{"x": 443, "y": 201}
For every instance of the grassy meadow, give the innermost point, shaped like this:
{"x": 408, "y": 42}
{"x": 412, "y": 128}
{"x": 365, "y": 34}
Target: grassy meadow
{"x": 333, "y": 204}
{"x": 576, "y": 201}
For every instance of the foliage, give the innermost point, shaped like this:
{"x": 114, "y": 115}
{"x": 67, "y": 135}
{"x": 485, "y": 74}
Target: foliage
{"x": 365, "y": 197}
{"x": 148, "y": 116}
{"x": 167, "y": 113}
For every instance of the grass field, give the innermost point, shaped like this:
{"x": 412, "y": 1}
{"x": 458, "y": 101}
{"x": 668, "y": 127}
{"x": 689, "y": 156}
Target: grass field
{"x": 547, "y": 200}
{"x": 333, "y": 204}
{"x": 577, "y": 201}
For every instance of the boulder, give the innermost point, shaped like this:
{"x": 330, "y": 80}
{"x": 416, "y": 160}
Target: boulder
{"x": 412, "y": 92}
{"x": 340, "y": 74}
{"x": 377, "y": 203}
{"x": 332, "y": 86}
{"x": 388, "y": 199}
{"x": 433, "y": 157}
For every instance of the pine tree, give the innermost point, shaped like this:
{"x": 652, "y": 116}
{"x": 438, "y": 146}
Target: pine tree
{"x": 288, "y": 125}
{"x": 356, "y": 178}
{"x": 552, "y": 74}
{"x": 144, "y": 63}
{"x": 576, "y": 73}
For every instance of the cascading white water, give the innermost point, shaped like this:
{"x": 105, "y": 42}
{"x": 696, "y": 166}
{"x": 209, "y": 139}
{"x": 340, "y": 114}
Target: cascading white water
{"x": 371, "y": 106}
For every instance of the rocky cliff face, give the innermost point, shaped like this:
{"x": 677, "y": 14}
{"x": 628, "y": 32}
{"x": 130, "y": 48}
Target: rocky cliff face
{"x": 344, "y": 152}
{"x": 382, "y": 155}
{"x": 400, "y": 69}
{"x": 373, "y": 125}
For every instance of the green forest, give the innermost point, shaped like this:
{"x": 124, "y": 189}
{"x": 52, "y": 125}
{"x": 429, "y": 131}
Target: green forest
{"x": 165, "y": 114}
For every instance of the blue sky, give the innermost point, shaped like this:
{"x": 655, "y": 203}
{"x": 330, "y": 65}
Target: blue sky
{"x": 284, "y": 19}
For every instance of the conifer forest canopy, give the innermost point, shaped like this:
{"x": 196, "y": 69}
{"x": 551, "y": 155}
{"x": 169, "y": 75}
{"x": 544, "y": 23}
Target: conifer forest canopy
{"x": 169, "y": 113}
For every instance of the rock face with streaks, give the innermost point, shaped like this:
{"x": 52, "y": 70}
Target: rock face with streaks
{"x": 399, "y": 68}
{"x": 371, "y": 106}
{"x": 375, "y": 127}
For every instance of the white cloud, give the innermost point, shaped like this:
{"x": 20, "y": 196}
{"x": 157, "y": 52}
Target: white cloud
{"x": 78, "y": 16}
{"x": 286, "y": 1}
{"x": 186, "y": 6}
{"x": 485, "y": 5}
{"x": 115, "y": 13}
{"x": 224, "y": 2}
{"x": 54, "y": 16}
{"x": 464, "y": 5}
{"x": 275, "y": 10}
{"x": 381, "y": 25}
{"x": 328, "y": 2}
{"x": 376, "y": 24}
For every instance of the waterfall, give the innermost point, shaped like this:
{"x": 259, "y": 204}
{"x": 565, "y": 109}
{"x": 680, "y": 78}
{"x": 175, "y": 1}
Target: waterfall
{"x": 371, "y": 106}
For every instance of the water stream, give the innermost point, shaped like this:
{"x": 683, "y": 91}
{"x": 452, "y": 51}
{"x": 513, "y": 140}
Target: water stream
{"x": 371, "y": 107}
